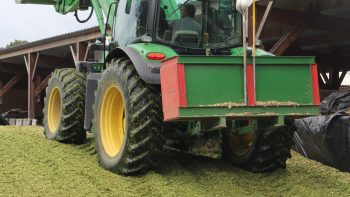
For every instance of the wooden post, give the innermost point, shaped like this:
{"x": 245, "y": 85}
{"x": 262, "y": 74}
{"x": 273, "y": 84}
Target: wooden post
{"x": 37, "y": 80}
{"x": 79, "y": 52}
{"x": 250, "y": 27}
{"x": 263, "y": 19}
{"x": 73, "y": 50}
{"x": 82, "y": 51}
{"x": 31, "y": 60}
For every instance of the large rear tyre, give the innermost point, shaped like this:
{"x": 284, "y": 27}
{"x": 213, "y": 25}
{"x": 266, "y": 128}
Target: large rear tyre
{"x": 128, "y": 119}
{"x": 64, "y": 106}
{"x": 259, "y": 151}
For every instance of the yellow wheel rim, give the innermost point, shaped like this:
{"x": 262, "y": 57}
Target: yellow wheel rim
{"x": 112, "y": 121}
{"x": 54, "y": 110}
{"x": 242, "y": 144}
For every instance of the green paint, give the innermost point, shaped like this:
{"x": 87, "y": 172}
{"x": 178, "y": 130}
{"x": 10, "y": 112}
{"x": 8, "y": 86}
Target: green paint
{"x": 283, "y": 60}
{"x": 101, "y": 9}
{"x": 284, "y": 83}
{"x": 213, "y": 80}
{"x": 144, "y": 48}
{"x": 66, "y": 6}
{"x": 128, "y": 6}
{"x": 280, "y": 120}
{"x": 97, "y": 68}
{"x": 212, "y": 60}
{"x": 213, "y": 84}
{"x": 171, "y": 9}
{"x": 224, "y": 60}
{"x": 246, "y": 111}
{"x": 238, "y": 51}
{"x": 247, "y": 129}
{"x": 99, "y": 16}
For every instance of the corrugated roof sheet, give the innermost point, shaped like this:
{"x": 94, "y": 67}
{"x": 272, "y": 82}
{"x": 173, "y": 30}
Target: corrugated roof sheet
{"x": 50, "y": 39}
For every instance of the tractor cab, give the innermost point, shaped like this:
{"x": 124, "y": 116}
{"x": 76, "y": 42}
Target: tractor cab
{"x": 193, "y": 25}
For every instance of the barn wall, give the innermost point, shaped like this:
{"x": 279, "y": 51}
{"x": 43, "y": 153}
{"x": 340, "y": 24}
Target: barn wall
{"x": 14, "y": 98}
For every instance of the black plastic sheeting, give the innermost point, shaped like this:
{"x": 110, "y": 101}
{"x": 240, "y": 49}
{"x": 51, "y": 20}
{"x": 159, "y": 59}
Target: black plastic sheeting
{"x": 325, "y": 139}
{"x": 337, "y": 101}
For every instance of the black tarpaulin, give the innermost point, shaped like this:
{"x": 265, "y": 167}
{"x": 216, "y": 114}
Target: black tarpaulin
{"x": 325, "y": 139}
{"x": 337, "y": 101}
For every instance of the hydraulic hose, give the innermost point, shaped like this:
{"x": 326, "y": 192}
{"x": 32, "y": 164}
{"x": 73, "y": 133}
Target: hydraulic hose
{"x": 87, "y": 19}
{"x": 105, "y": 33}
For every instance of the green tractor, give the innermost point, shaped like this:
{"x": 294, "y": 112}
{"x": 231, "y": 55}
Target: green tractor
{"x": 173, "y": 73}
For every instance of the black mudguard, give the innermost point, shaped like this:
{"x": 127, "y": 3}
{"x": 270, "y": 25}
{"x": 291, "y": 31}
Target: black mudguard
{"x": 148, "y": 71}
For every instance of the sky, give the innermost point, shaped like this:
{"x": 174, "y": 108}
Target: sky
{"x": 36, "y": 22}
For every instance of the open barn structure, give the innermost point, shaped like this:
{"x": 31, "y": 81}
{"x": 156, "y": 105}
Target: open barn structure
{"x": 25, "y": 70}
{"x": 317, "y": 28}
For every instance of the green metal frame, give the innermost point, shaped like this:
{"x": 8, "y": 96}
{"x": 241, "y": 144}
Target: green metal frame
{"x": 248, "y": 112}
{"x": 219, "y": 79}
{"x": 263, "y": 60}
{"x": 214, "y": 88}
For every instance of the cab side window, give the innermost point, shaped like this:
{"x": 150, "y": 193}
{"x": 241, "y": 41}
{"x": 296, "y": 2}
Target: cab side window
{"x": 142, "y": 18}
{"x": 128, "y": 6}
{"x": 131, "y": 21}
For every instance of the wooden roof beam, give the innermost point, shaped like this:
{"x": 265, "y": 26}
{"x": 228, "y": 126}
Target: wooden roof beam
{"x": 11, "y": 83}
{"x": 288, "y": 39}
{"x": 51, "y": 44}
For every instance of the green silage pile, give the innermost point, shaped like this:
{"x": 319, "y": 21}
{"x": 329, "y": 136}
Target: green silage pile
{"x": 30, "y": 165}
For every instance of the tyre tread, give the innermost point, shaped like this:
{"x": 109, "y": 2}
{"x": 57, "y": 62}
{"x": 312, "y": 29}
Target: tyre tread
{"x": 71, "y": 128}
{"x": 145, "y": 124}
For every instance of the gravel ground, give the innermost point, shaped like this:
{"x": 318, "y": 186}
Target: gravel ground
{"x": 30, "y": 165}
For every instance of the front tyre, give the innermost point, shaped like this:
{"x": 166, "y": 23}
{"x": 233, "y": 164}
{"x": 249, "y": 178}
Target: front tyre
{"x": 64, "y": 106}
{"x": 128, "y": 119}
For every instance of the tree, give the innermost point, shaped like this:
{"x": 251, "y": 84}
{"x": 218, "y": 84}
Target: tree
{"x": 16, "y": 43}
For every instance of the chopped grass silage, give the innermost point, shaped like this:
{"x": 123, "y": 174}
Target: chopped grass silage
{"x": 30, "y": 165}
